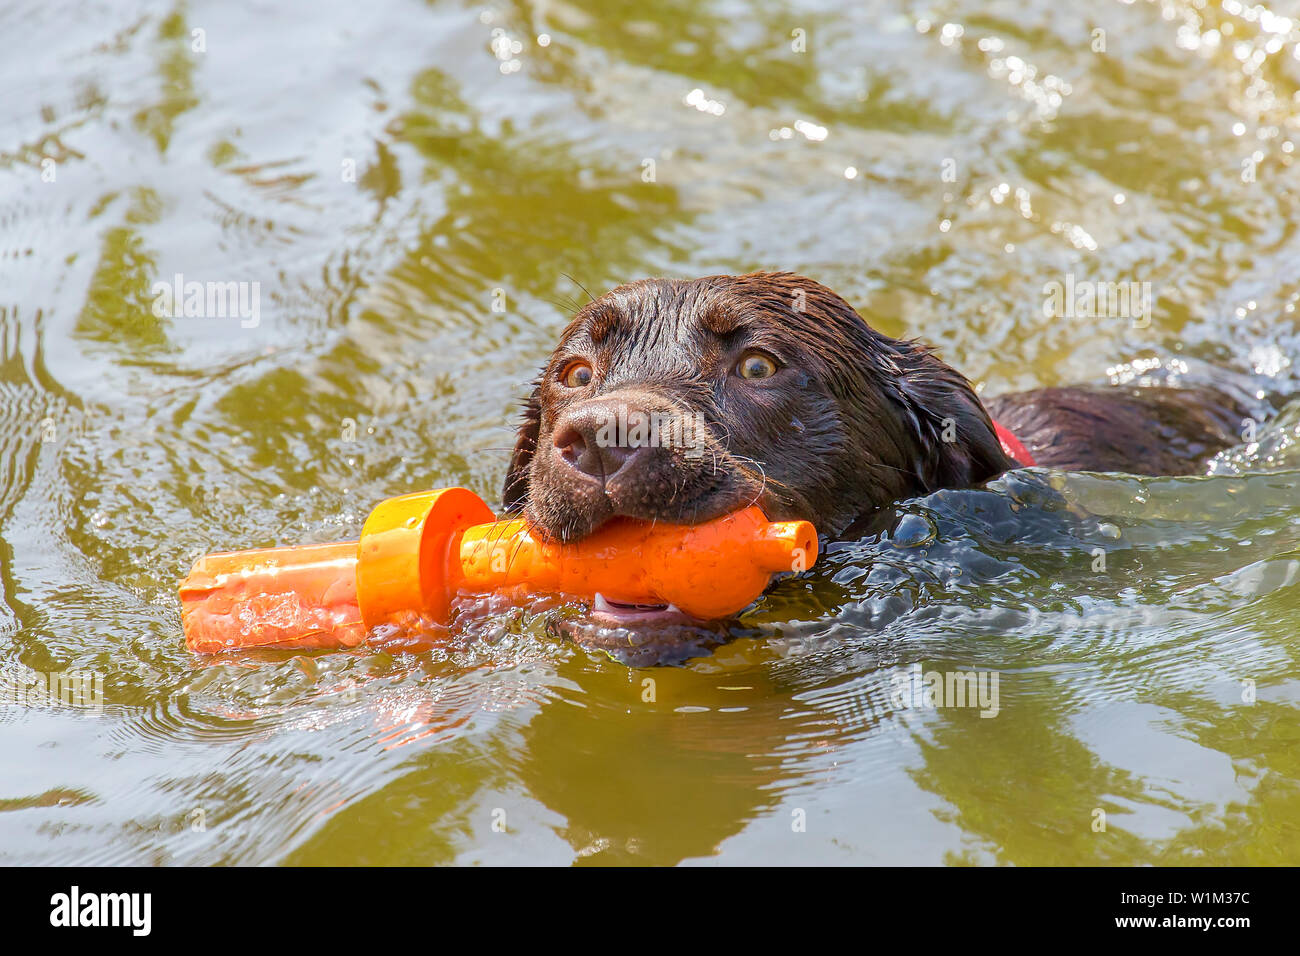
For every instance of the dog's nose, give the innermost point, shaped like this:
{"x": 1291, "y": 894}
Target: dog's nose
{"x": 590, "y": 441}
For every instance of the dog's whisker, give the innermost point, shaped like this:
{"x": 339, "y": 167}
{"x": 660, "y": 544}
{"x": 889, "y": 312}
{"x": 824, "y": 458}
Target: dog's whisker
{"x": 590, "y": 297}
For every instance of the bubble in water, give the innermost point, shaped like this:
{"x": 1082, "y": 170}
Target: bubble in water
{"x": 914, "y": 531}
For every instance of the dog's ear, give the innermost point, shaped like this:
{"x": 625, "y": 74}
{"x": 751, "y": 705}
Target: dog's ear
{"x": 515, "y": 493}
{"x": 959, "y": 447}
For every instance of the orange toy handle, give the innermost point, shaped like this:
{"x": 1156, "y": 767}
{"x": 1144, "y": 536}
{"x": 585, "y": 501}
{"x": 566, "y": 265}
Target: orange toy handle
{"x": 710, "y": 570}
{"x": 418, "y": 552}
{"x": 273, "y": 597}
{"x": 404, "y": 552}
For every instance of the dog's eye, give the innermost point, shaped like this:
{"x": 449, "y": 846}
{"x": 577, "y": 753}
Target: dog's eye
{"x": 755, "y": 365}
{"x": 576, "y": 374}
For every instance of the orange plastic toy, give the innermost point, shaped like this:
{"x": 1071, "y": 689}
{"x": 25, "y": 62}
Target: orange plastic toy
{"x": 418, "y": 552}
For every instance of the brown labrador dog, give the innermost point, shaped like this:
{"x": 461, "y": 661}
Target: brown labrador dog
{"x": 681, "y": 400}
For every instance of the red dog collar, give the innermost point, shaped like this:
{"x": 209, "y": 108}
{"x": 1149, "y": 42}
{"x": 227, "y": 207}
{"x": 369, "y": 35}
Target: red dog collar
{"x": 1013, "y": 446}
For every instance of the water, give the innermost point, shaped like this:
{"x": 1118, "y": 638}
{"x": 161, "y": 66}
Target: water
{"x": 393, "y": 178}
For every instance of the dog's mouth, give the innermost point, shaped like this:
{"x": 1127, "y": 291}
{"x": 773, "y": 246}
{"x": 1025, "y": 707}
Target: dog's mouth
{"x": 641, "y": 635}
{"x": 567, "y": 510}
{"x": 605, "y": 610}
{"x": 634, "y": 633}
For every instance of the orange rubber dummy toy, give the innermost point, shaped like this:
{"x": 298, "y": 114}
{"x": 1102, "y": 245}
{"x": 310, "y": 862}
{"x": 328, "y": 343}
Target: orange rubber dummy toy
{"x": 418, "y": 552}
